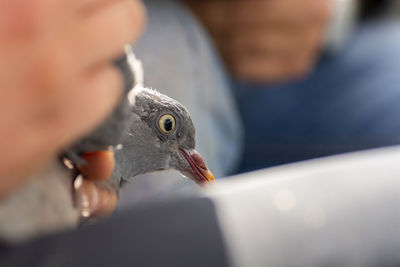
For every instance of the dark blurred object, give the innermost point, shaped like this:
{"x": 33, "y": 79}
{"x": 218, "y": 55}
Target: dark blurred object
{"x": 373, "y": 8}
{"x": 176, "y": 233}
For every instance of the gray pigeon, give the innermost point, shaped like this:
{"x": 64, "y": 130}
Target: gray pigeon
{"x": 160, "y": 136}
{"x": 156, "y": 133}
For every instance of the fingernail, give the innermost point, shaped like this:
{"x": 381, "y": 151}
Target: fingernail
{"x": 78, "y": 182}
{"x": 100, "y": 165}
{"x": 68, "y": 163}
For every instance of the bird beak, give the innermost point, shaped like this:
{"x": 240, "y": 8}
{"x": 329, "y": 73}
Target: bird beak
{"x": 198, "y": 170}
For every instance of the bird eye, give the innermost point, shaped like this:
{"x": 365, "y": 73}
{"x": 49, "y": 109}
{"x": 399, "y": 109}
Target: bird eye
{"x": 166, "y": 123}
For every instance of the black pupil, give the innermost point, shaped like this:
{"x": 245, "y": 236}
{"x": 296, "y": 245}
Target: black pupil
{"x": 168, "y": 125}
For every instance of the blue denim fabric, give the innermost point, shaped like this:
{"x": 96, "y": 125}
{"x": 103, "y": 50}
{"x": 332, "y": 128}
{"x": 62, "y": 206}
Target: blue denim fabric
{"x": 350, "y": 102}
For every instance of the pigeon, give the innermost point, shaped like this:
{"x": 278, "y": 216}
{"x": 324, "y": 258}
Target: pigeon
{"x": 160, "y": 136}
{"x": 154, "y": 131}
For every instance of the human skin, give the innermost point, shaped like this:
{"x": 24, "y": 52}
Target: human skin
{"x": 57, "y": 81}
{"x": 266, "y": 40}
{"x": 99, "y": 166}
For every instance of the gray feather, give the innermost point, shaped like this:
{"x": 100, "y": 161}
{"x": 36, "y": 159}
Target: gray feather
{"x": 145, "y": 148}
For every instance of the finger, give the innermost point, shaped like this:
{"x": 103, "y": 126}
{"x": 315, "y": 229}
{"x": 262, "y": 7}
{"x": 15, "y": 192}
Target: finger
{"x": 100, "y": 36}
{"x": 99, "y": 165}
{"x": 92, "y": 200}
{"x": 107, "y": 203}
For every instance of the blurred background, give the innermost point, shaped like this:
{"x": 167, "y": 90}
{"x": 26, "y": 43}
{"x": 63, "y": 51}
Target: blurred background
{"x": 347, "y": 100}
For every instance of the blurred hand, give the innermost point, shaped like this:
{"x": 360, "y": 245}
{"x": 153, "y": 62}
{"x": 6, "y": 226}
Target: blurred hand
{"x": 91, "y": 199}
{"x": 56, "y": 79}
{"x": 266, "y": 40}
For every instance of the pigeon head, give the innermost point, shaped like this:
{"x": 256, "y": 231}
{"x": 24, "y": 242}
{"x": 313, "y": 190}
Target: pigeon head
{"x": 160, "y": 136}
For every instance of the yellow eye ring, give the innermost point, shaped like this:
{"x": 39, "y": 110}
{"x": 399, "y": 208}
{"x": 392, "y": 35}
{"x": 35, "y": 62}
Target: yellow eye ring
{"x": 166, "y": 123}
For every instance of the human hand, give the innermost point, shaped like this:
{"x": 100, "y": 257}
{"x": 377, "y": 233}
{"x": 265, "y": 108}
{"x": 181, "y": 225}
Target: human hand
{"x": 266, "y": 40}
{"x": 92, "y": 199}
{"x": 56, "y": 79}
